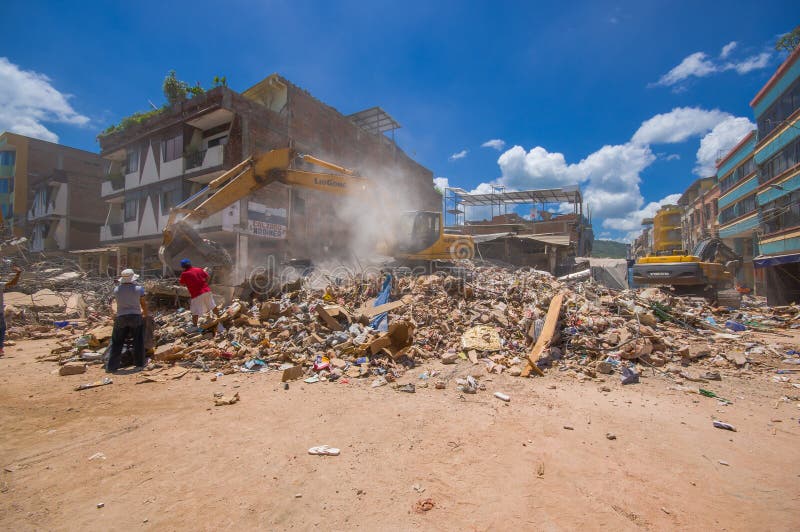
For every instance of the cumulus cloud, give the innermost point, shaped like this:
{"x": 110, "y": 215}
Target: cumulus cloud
{"x": 678, "y": 125}
{"x": 459, "y": 155}
{"x": 727, "y": 49}
{"x": 672, "y": 157}
{"x": 631, "y": 223}
{"x": 610, "y": 177}
{"x": 28, "y": 101}
{"x": 719, "y": 142}
{"x": 700, "y": 65}
{"x": 497, "y": 144}
{"x": 755, "y": 62}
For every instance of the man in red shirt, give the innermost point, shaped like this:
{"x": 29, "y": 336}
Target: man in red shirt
{"x": 196, "y": 281}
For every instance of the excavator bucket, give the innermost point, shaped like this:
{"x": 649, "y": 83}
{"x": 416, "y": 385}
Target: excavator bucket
{"x": 182, "y": 241}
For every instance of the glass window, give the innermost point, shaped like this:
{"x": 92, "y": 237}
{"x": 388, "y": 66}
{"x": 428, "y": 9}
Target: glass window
{"x": 217, "y": 141}
{"x": 169, "y": 199}
{"x": 172, "y": 148}
{"x": 132, "y": 162}
{"x": 131, "y": 208}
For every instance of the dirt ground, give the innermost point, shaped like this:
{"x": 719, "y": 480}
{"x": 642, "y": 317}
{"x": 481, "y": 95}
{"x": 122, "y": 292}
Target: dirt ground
{"x": 173, "y": 461}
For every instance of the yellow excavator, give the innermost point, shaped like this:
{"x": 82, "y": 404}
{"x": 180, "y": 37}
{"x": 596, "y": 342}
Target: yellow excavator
{"x": 707, "y": 271}
{"x": 421, "y": 239}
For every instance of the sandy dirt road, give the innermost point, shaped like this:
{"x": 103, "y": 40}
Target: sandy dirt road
{"x": 173, "y": 461}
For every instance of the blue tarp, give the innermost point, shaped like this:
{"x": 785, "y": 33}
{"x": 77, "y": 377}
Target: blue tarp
{"x": 380, "y": 322}
{"x": 777, "y": 260}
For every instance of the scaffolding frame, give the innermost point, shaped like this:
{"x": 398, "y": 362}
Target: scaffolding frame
{"x": 456, "y": 201}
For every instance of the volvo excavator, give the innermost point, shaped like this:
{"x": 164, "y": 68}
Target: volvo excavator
{"x": 421, "y": 239}
{"x": 708, "y": 271}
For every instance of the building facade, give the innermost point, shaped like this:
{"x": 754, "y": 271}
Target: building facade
{"x": 172, "y": 156}
{"x": 777, "y": 159}
{"x": 738, "y": 213}
{"x": 699, "y": 204}
{"x": 50, "y": 193}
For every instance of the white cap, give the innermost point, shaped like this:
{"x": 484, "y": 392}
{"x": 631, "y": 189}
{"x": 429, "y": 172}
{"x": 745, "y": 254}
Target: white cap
{"x": 128, "y": 276}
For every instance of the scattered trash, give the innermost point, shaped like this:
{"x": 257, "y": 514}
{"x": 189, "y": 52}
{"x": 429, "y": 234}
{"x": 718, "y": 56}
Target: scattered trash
{"x": 723, "y": 462}
{"x": 629, "y": 376}
{"x": 611, "y": 436}
{"x": 94, "y": 384}
{"x": 408, "y": 388}
{"x": 725, "y": 426}
{"x": 97, "y": 456}
{"x": 502, "y": 396}
{"x": 324, "y": 450}
{"x": 569, "y": 427}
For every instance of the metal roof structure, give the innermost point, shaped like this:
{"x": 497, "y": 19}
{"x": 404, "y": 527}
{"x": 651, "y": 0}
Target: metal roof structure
{"x": 374, "y": 120}
{"x": 521, "y": 197}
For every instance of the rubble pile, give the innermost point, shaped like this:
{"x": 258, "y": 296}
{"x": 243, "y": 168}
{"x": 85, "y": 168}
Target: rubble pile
{"x": 54, "y": 291}
{"x": 487, "y": 315}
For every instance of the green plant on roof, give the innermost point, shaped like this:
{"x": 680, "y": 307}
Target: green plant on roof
{"x": 175, "y": 91}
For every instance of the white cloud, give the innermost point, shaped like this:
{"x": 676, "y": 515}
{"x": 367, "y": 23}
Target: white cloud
{"x": 678, "y": 125}
{"x": 751, "y": 63}
{"x": 699, "y": 65}
{"x": 610, "y": 177}
{"x": 497, "y": 144}
{"x": 719, "y": 142}
{"x": 459, "y": 155}
{"x": 727, "y": 49}
{"x": 632, "y": 221}
{"x": 672, "y": 157}
{"x": 694, "y": 65}
{"x": 28, "y": 100}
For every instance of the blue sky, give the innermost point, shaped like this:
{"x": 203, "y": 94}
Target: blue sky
{"x": 566, "y": 86}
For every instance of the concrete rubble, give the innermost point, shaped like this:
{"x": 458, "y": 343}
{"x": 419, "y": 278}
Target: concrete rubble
{"x": 487, "y": 319}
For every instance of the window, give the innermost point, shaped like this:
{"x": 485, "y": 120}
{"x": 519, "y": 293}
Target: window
{"x": 218, "y": 141}
{"x": 172, "y": 148}
{"x": 169, "y": 198}
{"x": 741, "y": 171}
{"x": 132, "y": 162}
{"x": 780, "y": 110}
{"x": 131, "y": 208}
{"x": 788, "y": 157}
{"x": 740, "y": 208}
{"x": 7, "y": 158}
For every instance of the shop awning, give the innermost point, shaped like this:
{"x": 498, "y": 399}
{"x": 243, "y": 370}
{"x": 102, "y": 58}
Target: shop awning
{"x": 775, "y": 260}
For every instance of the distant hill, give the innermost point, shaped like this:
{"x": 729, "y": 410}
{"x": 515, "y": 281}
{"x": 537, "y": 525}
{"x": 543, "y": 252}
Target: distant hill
{"x": 609, "y": 249}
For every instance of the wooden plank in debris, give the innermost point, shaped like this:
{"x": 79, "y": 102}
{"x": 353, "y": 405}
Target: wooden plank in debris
{"x": 371, "y": 312}
{"x": 543, "y": 342}
{"x": 329, "y": 320}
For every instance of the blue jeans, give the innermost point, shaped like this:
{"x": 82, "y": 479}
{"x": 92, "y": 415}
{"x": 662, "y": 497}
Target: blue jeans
{"x": 2, "y": 330}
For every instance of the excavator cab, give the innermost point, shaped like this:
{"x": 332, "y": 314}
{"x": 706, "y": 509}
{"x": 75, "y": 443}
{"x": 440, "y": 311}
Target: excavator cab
{"x": 419, "y": 230}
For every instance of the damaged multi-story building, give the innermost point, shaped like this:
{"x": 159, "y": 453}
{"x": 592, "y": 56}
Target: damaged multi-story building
{"x": 49, "y": 193}
{"x": 159, "y": 163}
{"x": 547, "y": 237}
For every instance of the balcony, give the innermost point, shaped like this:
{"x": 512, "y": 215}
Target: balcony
{"x": 112, "y": 186}
{"x": 111, "y": 232}
{"x": 203, "y": 159}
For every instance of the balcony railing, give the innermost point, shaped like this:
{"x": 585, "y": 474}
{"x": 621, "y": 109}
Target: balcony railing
{"x": 194, "y": 159}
